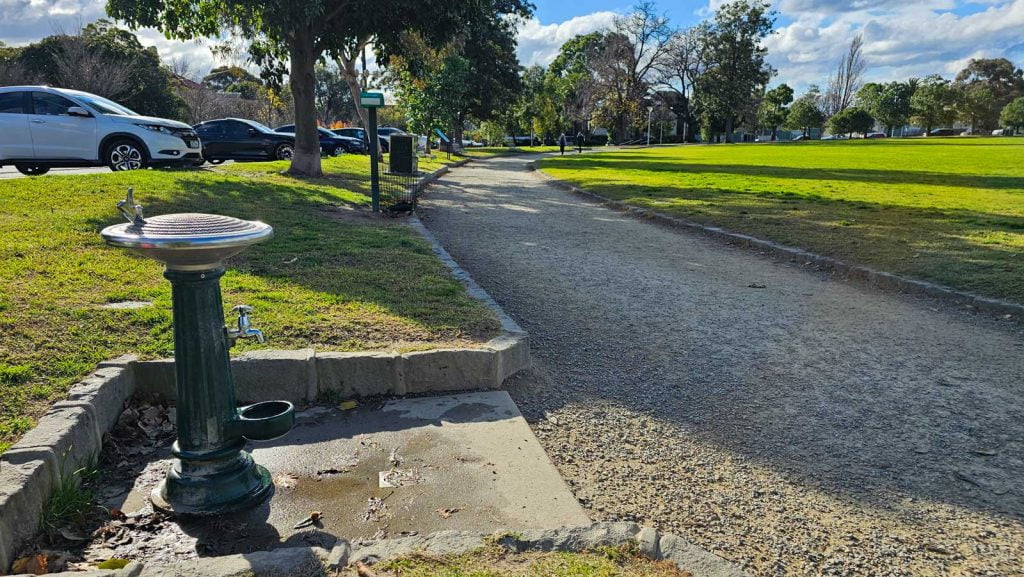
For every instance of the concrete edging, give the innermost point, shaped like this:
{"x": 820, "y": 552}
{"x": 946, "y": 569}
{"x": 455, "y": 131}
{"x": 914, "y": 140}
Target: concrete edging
{"x": 318, "y": 562}
{"x": 871, "y": 277}
{"x": 650, "y": 542}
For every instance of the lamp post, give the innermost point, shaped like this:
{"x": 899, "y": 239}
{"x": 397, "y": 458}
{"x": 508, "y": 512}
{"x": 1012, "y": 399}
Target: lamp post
{"x": 650, "y": 110}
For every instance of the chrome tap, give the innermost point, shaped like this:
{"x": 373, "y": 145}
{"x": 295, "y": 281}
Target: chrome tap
{"x": 244, "y": 330}
{"x": 132, "y": 212}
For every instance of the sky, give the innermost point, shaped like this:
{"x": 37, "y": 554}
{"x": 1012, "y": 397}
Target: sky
{"x": 903, "y": 38}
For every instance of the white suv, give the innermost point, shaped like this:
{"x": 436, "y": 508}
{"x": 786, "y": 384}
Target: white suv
{"x": 43, "y": 127}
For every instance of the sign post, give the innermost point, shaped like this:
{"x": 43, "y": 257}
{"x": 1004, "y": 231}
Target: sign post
{"x": 371, "y": 101}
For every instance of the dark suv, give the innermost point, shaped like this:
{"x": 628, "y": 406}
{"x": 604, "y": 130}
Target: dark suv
{"x": 240, "y": 139}
{"x": 332, "y": 144}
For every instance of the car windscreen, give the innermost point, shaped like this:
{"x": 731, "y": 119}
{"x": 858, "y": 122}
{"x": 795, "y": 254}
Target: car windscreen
{"x": 259, "y": 126}
{"x": 104, "y": 106}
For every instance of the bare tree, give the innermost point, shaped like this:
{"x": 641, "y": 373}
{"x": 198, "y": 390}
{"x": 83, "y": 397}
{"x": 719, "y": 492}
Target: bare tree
{"x": 684, "y": 63}
{"x": 847, "y": 80}
{"x": 633, "y": 52}
{"x": 82, "y": 67}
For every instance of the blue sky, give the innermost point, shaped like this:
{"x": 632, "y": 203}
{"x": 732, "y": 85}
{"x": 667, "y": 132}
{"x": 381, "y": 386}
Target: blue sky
{"x": 903, "y": 38}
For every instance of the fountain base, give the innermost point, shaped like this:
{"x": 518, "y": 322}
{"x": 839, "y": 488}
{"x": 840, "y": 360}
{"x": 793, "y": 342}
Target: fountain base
{"x": 226, "y": 487}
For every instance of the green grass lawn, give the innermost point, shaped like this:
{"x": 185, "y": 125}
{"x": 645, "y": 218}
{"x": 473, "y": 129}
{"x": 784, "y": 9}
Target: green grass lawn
{"x": 949, "y": 211}
{"x": 333, "y": 276}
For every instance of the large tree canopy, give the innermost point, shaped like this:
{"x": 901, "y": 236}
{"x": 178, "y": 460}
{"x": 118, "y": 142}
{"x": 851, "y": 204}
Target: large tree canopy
{"x": 298, "y": 34}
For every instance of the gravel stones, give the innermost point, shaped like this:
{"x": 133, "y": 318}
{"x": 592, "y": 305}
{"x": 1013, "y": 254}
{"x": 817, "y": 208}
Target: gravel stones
{"x": 810, "y": 427}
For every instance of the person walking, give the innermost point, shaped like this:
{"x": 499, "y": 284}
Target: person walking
{"x": 561, "y": 144}
{"x": 579, "y": 142}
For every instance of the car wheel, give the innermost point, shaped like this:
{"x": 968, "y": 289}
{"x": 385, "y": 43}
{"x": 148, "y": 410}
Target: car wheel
{"x": 284, "y": 151}
{"x": 32, "y": 169}
{"x": 125, "y": 154}
{"x": 215, "y": 161}
{"x": 338, "y": 151}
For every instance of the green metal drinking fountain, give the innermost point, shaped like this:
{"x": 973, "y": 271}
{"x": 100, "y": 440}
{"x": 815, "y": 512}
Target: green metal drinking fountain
{"x": 210, "y": 473}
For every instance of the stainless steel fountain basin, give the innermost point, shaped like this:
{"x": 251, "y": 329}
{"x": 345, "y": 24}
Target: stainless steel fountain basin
{"x": 188, "y": 241}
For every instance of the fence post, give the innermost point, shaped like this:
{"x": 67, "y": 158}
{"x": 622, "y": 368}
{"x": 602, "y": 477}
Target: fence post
{"x": 374, "y": 169}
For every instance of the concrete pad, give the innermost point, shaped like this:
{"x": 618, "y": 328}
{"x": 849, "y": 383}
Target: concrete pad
{"x": 469, "y": 462}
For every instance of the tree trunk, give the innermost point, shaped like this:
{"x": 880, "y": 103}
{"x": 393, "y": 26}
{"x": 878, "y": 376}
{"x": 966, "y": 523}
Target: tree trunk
{"x": 728, "y": 129}
{"x": 306, "y": 156}
{"x": 348, "y": 73}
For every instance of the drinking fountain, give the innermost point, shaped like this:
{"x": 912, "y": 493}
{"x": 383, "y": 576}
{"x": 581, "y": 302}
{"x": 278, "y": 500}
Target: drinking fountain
{"x": 210, "y": 472}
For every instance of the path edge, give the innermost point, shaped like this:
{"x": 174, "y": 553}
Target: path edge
{"x": 863, "y": 274}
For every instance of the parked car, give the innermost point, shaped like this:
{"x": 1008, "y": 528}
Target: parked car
{"x": 946, "y": 132}
{"x": 354, "y": 132}
{"x": 241, "y": 139}
{"x": 800, "y": 137}
{"x": 470, "y": 143}
{"x": 834, "y": 137}
{"x": 43, "y": 127}
{"x": 332, "y": 144}
{"x": 525, "y": 140}
{"x": 384, "y": 134}
{"x": 876, "y": 135}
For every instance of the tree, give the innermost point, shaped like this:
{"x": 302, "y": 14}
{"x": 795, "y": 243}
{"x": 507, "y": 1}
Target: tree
{"x": 974, "y": 104}
{"x": 108, "y": 61}
{"x": 933, "y": 103}
{"x": 888, "y": 103}
{"x": 333, "y": 100}
{"x": 685, "y": 62}
{"x": 847, "y": 80}
{"x": 233, "y": 79}
{"x": 573, "y": 81}
{"x": 806, "y": 113}
{"x": 1012, "y": 115}
{"x": 285, "y": 33}
{"x": 1003, "y": 82}
{"x": 736, "y": 59}
{"x": 773, "y": 111}
{"x": 632, "y": 52}
{"x": 850, "y": 120}
{"x": 431, "y": 85}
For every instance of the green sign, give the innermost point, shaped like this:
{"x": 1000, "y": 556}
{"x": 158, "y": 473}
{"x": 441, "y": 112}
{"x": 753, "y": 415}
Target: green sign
{"x": 371, "y": 99}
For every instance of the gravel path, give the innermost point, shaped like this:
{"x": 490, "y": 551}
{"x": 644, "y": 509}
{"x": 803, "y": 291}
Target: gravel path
{"x": 809, "y": 427}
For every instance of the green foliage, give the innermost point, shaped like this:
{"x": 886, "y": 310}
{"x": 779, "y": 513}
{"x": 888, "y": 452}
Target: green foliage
{"x": 333, "y": 97}
{"x": 947, "y": 211}
{"x": 735, "y": 47}
{"x": 108, "y": 61}
{"x": 933, "y": 103}
{"x": 233, "y": 79}
{"x": 986, "y": 86}
{"x": 71, "y": 499}
{"x": 436, "y": 97}
{"x": 774, "y": 107}
{"x": 888, "y": 103}
{"x": 805, "y": 113}
{"x": 974, "y": 104}
{"x": 1012, "y": 115}
{"x": 850, "y": 120}
{"x": 283, "y": 33}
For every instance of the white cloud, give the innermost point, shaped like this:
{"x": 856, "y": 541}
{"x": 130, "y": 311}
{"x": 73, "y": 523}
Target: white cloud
{"x": 902, "y": 38}
{"x": 540, "y": 43}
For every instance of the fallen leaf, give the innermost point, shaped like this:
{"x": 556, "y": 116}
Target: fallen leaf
{"x": 363, "y": 570}
{"x": 286, "y": 481}
{"x": 447, "y": 512}
{"x": 348, "y": 405}
{"x": 33, "y": 564}
{"x": 113, "y": 564}
{"x": 756, "y": 285}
